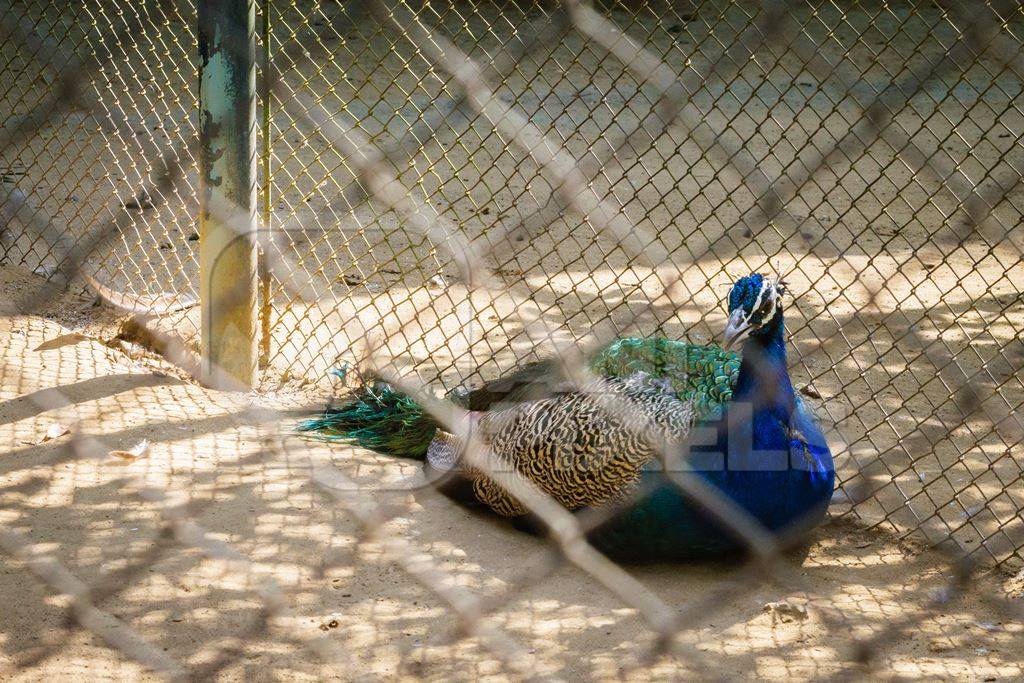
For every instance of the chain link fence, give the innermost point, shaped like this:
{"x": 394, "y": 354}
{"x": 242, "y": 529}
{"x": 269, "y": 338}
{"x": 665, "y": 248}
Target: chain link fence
{"x": 453, "y": 189}
{"x": 847, "y": 145}
{"x": 88, "y": 162}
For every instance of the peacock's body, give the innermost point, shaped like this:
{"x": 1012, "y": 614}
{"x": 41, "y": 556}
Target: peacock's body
{"x": 739, "y": 425}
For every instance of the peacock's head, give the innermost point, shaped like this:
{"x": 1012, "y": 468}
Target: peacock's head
{"x": 755, "y": 302}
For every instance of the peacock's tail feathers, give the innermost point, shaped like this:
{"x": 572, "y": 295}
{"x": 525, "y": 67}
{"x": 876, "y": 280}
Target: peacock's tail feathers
{"x": 706, "y": 374}
{"x": 379, "y": 418}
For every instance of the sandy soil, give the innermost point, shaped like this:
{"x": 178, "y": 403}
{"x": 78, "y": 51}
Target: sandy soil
{"x": 205, "y": 453}
{"x": 866, "y": 221}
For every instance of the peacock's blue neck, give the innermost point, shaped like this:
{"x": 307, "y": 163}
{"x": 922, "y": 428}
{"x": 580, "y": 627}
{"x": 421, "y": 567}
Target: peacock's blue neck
{"x": 764, "y": 377}
{"x": 773, "y": 462}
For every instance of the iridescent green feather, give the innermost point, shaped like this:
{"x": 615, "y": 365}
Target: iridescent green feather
{"x": 707, "y": 374}
{"x": 379, "y": 418}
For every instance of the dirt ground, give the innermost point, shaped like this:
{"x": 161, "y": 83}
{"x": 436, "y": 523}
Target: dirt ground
{"x": 205, "y": 453}
{"x": 866, "y": 221}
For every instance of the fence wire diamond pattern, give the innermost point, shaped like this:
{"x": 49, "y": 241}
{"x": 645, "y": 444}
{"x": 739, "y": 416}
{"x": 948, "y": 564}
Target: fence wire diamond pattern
{"x": 863, "y": 133}
{"x": 452, "y": 189}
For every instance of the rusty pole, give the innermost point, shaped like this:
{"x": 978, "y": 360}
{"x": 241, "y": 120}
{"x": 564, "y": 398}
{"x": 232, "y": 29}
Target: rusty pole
{"x": 227, "y": 164}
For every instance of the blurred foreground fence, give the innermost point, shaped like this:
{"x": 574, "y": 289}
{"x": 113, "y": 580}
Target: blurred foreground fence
{"x": 449, "y": 189}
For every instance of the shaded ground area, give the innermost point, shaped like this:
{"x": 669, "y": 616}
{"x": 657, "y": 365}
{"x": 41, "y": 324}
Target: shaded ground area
{"x": 207, "y": 453}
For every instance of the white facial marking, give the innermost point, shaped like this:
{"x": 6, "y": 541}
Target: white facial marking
{"x": 768, "y": 288}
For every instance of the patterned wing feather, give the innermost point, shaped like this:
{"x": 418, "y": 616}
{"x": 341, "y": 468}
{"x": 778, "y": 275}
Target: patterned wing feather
{"x": 579, "y": 449}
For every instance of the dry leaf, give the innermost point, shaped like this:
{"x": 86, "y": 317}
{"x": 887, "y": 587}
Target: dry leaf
{"x": 62, "y": 340}
{"x": 55, "y": 431}
{"x": 136, "y": 451}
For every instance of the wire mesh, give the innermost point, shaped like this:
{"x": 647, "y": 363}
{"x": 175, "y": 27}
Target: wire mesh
{"x": 457, "y": 188}
{"x": 89, "y": 161}
{"x": 872, "y": 126}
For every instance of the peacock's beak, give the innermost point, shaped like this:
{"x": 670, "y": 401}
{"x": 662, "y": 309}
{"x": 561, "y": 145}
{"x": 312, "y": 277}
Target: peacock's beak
{"x": 736, "y": 330}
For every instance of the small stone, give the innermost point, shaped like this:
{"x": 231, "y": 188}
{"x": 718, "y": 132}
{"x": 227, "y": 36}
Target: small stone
{"x": 786, "y": 611}
{"x": 808, "y": 390}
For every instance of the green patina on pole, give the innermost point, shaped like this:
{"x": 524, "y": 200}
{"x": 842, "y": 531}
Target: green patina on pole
{"x": 227, "y": 240}
{"x": 265, "y": 164}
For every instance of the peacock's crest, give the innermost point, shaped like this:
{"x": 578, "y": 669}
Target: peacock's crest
{"x": 755, "y": 307}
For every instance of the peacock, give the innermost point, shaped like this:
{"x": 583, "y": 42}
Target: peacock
{"x": 736, "y": 419}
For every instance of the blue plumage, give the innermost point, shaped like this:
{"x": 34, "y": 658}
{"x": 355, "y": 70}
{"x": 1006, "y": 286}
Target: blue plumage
{"x": 764, "y": 451}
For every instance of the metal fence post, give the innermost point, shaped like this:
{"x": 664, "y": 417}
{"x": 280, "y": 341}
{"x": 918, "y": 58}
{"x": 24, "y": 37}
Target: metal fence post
{"x": 227, "y": 154}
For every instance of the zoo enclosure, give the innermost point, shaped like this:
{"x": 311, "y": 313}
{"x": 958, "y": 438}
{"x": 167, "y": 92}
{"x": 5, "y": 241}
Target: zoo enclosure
{"x": 871, "y": 152}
